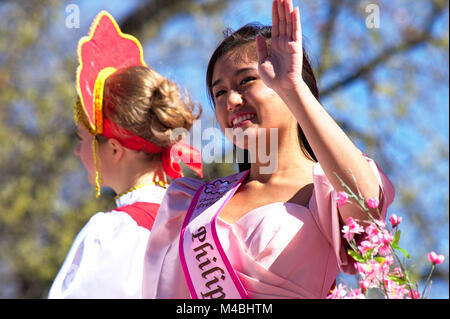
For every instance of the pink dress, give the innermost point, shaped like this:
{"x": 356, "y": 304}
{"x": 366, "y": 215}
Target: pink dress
{"x": 279, "y": 250}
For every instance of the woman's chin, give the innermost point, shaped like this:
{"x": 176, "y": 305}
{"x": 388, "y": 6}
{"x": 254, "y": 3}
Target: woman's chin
{"x": 242, "y": 136}
{"x": 91, "y": 180}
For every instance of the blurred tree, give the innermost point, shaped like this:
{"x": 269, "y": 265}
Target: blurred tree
{"x": 43, "y": 190}
{"x": 37, "y": 138}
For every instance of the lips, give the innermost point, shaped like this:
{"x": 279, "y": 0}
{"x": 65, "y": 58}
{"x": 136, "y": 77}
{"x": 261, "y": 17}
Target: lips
{"x": 239, "y": 118}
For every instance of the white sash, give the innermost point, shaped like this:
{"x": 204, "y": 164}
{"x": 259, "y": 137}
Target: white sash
{"x": 209, "y": 273}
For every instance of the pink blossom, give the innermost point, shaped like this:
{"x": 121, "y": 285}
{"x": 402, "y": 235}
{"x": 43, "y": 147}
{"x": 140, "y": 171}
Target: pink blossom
{"x": 363, "y": 285}
{"x": 415, "y": 294}
{"x": 385, "y": 265}
{"x": 387, "y": 237}
{"x": 355, "y": 294}
{"x": 398, "y": 272}
{"x": 339, "y": 292}
{"x": 365, "y": 246}
{"x": 394, "y": 290}
{"x": 395, "y": 220}
{"x": 379, "y": 240}
{"x": 351, "y": 229}
{"x": 385, "y": 241}
{"x": 384, "y": 250}
{"x": 435, "y": 259}
{"x": 371, "y": 273}
{"x": 341, "y": 198}
{"x": 373, "y": 232}
{"x": 380, "y": 223}
{"x": 389, "y": 260}
{"x": 373, "y": 202}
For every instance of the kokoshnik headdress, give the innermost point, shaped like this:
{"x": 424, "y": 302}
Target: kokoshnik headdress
{"x": 105, "y": 50}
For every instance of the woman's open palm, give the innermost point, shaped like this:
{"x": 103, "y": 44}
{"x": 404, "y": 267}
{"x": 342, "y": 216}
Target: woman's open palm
{"x": 281, "y": 66}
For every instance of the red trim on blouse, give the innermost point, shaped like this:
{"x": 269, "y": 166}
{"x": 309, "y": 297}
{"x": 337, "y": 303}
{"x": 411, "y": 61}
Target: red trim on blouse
{"x": 143, "y": 213}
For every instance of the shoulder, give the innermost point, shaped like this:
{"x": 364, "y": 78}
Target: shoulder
{"x": 189, "y": 184}
{"x": 323, "y": 198}
{"x": 181, "y": 191}
{"x": 320, "y": 178}
{"x": 109, "y": 227}
{"x": 185, "y": 187}
{"x": 107, "y": 220}
{"x": 177, "y": 198}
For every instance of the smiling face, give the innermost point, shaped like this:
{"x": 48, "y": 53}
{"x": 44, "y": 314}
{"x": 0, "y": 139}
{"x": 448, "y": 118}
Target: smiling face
{"x": 242, "y": 100}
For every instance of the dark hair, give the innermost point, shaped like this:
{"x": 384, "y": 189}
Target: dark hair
{"x": 247, "y": 35}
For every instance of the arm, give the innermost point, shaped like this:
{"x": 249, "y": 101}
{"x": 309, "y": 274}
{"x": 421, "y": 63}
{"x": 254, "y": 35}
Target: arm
{"x": 281, "y": 70}
{"x": 107, "y": 260}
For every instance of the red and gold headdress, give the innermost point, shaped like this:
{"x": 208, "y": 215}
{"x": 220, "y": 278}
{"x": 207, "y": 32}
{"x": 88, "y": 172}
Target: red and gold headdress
{"x": 105, "y": 50}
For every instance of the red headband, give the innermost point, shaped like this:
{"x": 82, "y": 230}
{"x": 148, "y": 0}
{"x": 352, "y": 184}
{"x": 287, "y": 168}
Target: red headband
{"x": 169, "y": 156}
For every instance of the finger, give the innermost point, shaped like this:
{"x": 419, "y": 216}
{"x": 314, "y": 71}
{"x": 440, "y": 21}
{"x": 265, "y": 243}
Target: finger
{"x": 288, "y": 14}
{"x": 296, "y": 25}
{"x": 282, "y": 18}
{"x": 261, "y": 48}
{"x": 275, "y": 19}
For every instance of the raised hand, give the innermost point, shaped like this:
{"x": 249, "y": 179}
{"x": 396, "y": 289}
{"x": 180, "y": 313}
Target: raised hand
{"x": 281, "y": 68}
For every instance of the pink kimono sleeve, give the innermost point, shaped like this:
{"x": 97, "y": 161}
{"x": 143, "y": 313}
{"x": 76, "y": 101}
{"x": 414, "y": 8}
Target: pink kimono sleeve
{"x": 323, "y": 206}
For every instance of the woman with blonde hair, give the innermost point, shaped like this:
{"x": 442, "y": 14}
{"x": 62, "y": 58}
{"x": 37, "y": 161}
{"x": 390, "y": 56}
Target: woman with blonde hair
{"x": 125, "y": 114}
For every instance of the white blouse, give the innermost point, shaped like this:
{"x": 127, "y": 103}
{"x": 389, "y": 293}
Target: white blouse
{"x": 107, "y": 256}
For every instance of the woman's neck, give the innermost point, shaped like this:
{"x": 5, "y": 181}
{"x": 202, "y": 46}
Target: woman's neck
{"x": 134, "y": 177}
{"x": 291, "y": 163}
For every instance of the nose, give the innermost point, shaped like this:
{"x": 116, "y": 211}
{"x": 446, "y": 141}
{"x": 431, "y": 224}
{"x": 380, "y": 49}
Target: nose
{"x": 234, "y": 100}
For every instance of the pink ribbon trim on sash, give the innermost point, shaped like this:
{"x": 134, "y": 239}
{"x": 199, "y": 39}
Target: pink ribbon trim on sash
{"x": 212, "y": 223}
{"x": 183, "y": 230}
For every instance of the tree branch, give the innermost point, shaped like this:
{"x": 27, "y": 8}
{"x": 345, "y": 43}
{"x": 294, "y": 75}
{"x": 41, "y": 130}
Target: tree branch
{"x": 414, "y": 40}
{"x": 153, "y": 13}
{"x": 327, "y": 36}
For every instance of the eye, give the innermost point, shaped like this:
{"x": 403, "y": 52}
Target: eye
{"x": 219, "y": 93}
{"x": 247, "y": 79}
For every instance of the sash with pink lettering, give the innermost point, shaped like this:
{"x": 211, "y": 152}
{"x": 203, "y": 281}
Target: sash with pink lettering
{"x": 209, "y": 273}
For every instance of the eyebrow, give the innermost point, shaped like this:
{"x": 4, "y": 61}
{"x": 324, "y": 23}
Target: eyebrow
{"x": 236, "y": 73}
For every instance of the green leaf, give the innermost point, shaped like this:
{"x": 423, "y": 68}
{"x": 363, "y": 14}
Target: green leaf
{"x": 399, "y": 280}
{"x": 369, "y": 253}
{"x": 396, "y": 239}
{"x": 407, "y": 255}
{"x": 397, "y": 247}
{"x": 356, "y": 256}
{"x": 407, "y": 272}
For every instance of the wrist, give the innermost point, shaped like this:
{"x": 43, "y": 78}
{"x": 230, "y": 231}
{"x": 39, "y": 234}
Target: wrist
{"x": 298, "y": 90}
